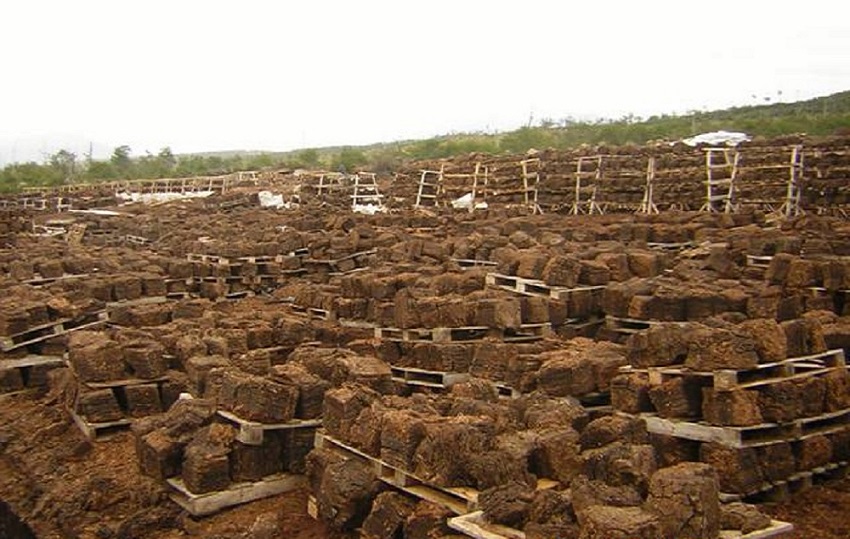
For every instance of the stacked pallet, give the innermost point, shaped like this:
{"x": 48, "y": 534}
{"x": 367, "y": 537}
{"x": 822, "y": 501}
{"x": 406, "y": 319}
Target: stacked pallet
{"x": 764, "y": 403}
{"x": 115, "y": 377}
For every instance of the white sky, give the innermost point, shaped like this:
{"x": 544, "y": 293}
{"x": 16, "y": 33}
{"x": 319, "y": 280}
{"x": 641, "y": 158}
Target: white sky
{"x": 277, "y": 75}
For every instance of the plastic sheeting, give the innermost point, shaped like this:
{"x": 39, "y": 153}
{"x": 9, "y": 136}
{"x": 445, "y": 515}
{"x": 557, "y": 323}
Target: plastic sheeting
{"x": 368, "y": 209}
{"x": 465, "y": 203}
{"x": 717, "y": 138}
{"x": 158, "y": 198}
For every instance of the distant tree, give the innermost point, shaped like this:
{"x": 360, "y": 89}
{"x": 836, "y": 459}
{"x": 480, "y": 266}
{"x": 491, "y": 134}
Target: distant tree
{"x": 100, "y": 170}
{"x": 526, "y": 138}
{"x": 385, "y": 161}
{"x": 30, "y": 174}
{"x": 257, "y": 162}
{"x": 350, "y": 159}
{"x": 121, "y": 160}
{"x": 65, "y": 164}
{"x": 166, "y": 159}
{"x": 309, "y": 158}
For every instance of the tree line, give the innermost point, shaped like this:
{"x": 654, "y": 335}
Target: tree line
{"x": 820, "y": 116}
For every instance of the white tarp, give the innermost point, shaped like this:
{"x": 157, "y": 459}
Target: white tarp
{"x": 368, "y": 209}
{"x": 718, "y": 138}
{"x": 465, "y": 203}
{"x": 105, "y": 213}
{"x": 156, "y": 198}
{"x": 271, "y": 200}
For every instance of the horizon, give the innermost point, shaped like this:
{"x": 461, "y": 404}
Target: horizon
{"x": 105, "y": 151}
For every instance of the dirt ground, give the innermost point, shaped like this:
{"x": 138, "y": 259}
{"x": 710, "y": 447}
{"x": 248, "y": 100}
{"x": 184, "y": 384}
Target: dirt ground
{"x": 65, "y": 487}
{"x": 76, "y": 489}
{"x": 822, "y": 512}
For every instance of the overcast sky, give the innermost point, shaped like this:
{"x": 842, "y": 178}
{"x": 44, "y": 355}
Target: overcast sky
{"x": 276, "y": 75}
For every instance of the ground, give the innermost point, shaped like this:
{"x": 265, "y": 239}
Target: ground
{"x": 65, "y": 487}
{"x": 822, "y": 512}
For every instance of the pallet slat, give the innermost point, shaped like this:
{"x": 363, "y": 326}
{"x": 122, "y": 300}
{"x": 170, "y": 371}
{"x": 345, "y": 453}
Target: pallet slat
{"x": 476, "y": 526}
{"x": 252, "y": 432}
{"x": 751, "y": 436}
{"x": 237, "y": 494}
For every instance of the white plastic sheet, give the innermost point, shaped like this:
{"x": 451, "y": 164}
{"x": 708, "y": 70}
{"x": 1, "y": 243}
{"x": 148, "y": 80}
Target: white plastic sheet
{"x": 368, "y": 209}
{"x": 465, "y": 203}
{"x": 157, "y": 198}
{"x": 271, "y": 200}
{"x": 717, "y": 138}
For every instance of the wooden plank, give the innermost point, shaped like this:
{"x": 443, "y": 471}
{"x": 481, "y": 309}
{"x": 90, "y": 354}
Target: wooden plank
{"x": 252, "y": 432}
{"x": 31, "y": 361}
{"x": 91, "y": 430}
{"x": 627, "y": 325}
{"x": 125, "y": 382}
{"x": 433, "y": 495}
{"x": 534, "y": 287}
{"x": 729, "y": 436}
{"x": 472, "y": 263}
{"x": 149, "y": 300}
{"x": 54, "y": 329}
{"x": 779, "y": 490}
{"x": 236, "y": 494}
{"x": 763, "y": 374}
{"x": 775, "y": 529}
{"x": 437, "y": 378}
{"x": 458, "y": 500}
{"x": 750, "y": 436}
{"x": 526, "y": 332}
{"x": 474, "y": 525}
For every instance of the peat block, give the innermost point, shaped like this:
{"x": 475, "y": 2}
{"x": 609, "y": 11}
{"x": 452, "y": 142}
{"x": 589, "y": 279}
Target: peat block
{"x": 685, "y": 498}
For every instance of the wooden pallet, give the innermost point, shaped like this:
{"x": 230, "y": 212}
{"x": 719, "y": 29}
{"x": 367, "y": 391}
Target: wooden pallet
{"x": 467, "y": 263}
{"x": 525, "y": 333}
{"x": 459, "y": 500}
{"x": 24, "y": 365}
{"x": 348, "y": 272}
{"x": 579, "y": 327}
{"x": 93, "y": 431}
{"x": 627, "y": 326}
{"x": 756, "y": 261}
{"x": 506, "y": 391}
{"x": 534, "y": 287}
{"x": 147, "y": 300}
{"x": 238, "y": 493}
{"x": 334, "y": 262}
{"x": 125, "y": 382}
{"x": 312, "y": 313}
{"x": 237, "y": 263}
{"x": 763, "y": 374}
{"x": 267, "y": 259}
{"x": 240, "y": 294}
{"x": 750, "y": 436}
{"x": 137, "y": 240}
{"x": 32, "y": 360}
{"x": 820, "y": 291}
{"x": 252, "y": 432}
{"x": 312, "y": 507}
{"x": 52, "y": 329}
{"x": 476, "y": 526}
{"x": 209, "y": 259}
{"x": 670, "y": 246}
{"x": 429, "y": 379}
{"x": 38, "y": 280}
{"x": 780, "y": 490}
